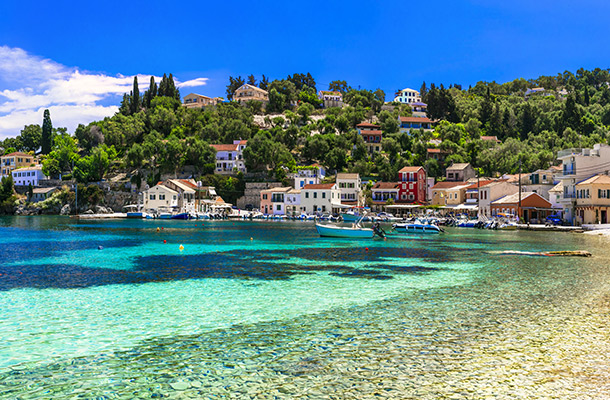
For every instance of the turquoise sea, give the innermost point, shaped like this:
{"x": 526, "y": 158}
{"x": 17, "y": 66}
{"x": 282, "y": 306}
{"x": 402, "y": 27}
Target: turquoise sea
{"x": 108, "y": 310}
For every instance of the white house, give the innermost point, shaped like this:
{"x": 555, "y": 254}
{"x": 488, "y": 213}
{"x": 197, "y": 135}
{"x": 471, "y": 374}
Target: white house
{"x": 491, "y": 192}
{"x": 27, "y": 176}
{"x": 349, "y": 186}
{"x": 160, "y": 197}
{"x": 308, "y": 176}
{"x": 40, "y": 194}
{"x": 407, "y": 96}
{"x": 230, "y": 157}
{"x": 321, "y": 198}
{"x": 186, "y": 190}
{"x": 293, "y": 202}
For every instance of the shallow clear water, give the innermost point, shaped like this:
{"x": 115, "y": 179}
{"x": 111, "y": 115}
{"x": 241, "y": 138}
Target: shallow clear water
{"x": 106, "y": 309}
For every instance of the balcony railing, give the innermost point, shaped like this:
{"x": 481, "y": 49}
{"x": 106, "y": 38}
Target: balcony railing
{"x": 568, "y": 152}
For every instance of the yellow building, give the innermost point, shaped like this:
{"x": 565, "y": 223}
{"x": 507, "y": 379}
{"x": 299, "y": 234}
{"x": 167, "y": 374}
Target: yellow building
{"x": 15, "y": 160}
{"x": 195, "y": 100}
{"x": 250, "y": 92}
{"x": 592, "y": 198}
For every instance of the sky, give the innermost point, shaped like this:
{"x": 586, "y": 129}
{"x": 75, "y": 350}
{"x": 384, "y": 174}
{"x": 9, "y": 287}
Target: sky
{"x": 78, "y": 60}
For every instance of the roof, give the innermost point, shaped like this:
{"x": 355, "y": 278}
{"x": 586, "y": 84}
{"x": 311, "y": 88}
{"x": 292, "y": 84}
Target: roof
{"x": 490, "y": 138}
{"x": 557, "y": 188}
{"x": 184, "y": 187}
{"x": 34, "y": 168}
{"x": 372, "y": 132}
{"x": 225, "y": 147}
{"x": 410, "y": 169}
{"x": 409, "y": 90}
{"x": 44, "y": 190}
{"x": 599, "y": 179}
{"x": 162, "y": 186}
{"x": 278, "y": 189}
{"x": 199, "y": 95}
{"x": 459, "y": 166}
{"x": 18, "y": 153}
{"x": 294, "y": 191}
{"x": 418, "y": 104}
{"x": 447, "y": 185}
{"x": 514, "y": 198}
{"x": 386, "y": 185}
{"x": 318, "y": 186}
{"x": 330, "y": 92}
{"x": 481, "y": 183}
{"x": 416, "y": 119}
{"x": 363, "y": 124}
{"x": 345, "y": 175}
{"x": 248, "y": 86}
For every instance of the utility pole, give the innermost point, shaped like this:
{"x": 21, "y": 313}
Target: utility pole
{"x": 519, "y": 208}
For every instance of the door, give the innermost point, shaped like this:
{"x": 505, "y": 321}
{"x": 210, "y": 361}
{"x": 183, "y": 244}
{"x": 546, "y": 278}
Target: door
{"x": 604, "y": 217}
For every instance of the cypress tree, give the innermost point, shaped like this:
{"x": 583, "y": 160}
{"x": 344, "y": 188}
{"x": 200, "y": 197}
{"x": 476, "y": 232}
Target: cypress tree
{"x": 47, "y": 133}
{"x": 135, "y": 96}
{"x": 163, "y": 86}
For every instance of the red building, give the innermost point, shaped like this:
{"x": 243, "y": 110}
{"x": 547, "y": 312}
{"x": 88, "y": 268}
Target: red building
{"x": 412, "y": 187}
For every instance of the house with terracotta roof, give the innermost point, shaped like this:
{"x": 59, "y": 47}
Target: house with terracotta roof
{"x": 381, "y": 192}
{"x": 248, "y": 92}
{"x": 593, "y": 200}
{"x": 530, "y": 207}
{"x": 331, "y": 98}
{"x": 194, "y": 100}
{"x": 321, "y": 198}
{"x": 230, "y": 157}
{"x": 15, "y": 160}
{"x": 457, "y": 172}
{"x": 160, "y": 198}
{"x": 409, "y": 123}
{"x": 412, "y": 185}
{"x": 437, "y": 154}
{"x": 308, "y": 175}
{"x": 372, "y": 135}
{"x": 493, "y": 139}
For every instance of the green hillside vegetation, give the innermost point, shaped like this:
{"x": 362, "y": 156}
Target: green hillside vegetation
{"x": 153, "y": 134}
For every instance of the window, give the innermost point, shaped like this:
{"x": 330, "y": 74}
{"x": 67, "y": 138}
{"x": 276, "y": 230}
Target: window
{"x": 174, "y": 197}
{"x": 264, "y": 196}
{"x": 161, "y": 197}
{"x": 279, "y": 207}
{"x": 306, "y": 195}
{"x": 323, "y": 195}
{"x": 315, "y": 195}
{"x": 152, "y": 197}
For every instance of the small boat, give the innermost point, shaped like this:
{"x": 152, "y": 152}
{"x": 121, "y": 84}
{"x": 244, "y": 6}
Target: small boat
{"x": 416, "y": 227}
{"x": 353, "y": 232}
{"x": 183, "y": 215}
{"x": 134, "y": 211}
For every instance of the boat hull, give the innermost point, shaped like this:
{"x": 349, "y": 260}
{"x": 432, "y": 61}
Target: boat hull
{"x": 344, "y": 232}
{"x": 416, "y": 228}
{"x": 181, "y": 216}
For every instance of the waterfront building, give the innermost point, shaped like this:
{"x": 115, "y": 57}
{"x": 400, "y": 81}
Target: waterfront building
{"x": 349, "y": 186}
{"x": 440, "y": 194}
{"x": 530, "y": 207}
{"x": 195, "y": 100}
{"x": 491, "y": 191}
{"x": 412, "y": 185}
{"x": 230, "y": 157}
{"x": 273, "y": 201}
{"x": 321, "y": 198}
{"x": 293, "y": 203}
{"x": 593, "y": 200}
{"x": 160, "y": 197}
{"x": 15, "y": 160}
{"x": 383, "y": 193}
{"x": 578, "y": 165}
{"x": 419, "y": 109}
{"x": 251, "y": 200}
{"x": 28, "y": 176}
{"x": 186, "y": 193}
{"x": 40, "y": 194}
{"x": 331, "y": 98}
{"x": 248, "y": 92}
{"x": 407, "y": 96}
{"x": 540, "y": 181}
{"x": 460, "y": 172}
{"x": 372, "y": 135}
{"x": 555, "y": 197}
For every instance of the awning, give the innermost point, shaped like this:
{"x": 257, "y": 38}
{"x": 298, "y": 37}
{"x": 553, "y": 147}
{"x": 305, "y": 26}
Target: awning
{"x": 472, "y": 207}
{"x": 404, "y": 206}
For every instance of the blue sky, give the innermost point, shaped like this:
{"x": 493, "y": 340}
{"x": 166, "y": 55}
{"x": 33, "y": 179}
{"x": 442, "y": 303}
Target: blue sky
{"x": 77, "y": 60}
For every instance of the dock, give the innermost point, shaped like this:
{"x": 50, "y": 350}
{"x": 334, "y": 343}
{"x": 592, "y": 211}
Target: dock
{"x": 99, "y": 216}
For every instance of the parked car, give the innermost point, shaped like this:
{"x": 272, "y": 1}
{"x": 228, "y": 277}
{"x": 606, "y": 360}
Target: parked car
{"x": 554, "y": 220}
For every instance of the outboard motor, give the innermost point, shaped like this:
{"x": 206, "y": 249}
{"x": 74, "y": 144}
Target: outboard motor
{"x": 378, "y": 230}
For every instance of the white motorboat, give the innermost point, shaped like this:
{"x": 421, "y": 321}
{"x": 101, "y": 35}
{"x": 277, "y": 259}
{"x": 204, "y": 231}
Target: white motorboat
{"x": 353, "y": 232}
{"x": 416, "y": 227}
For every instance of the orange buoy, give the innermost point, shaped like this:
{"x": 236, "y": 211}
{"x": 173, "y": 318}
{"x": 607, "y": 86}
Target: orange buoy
{"x": 164, "y": 241}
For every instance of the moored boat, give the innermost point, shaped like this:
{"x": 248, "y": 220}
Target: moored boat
{"x": 353, "y": 232}
{"x": 416, "y": 227}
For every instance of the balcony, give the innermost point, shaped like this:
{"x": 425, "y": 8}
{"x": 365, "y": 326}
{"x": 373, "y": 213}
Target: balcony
{"x": 569, "y": 152}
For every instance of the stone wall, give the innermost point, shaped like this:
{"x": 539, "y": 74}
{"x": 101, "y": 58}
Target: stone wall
{"x": 252, "y": 193}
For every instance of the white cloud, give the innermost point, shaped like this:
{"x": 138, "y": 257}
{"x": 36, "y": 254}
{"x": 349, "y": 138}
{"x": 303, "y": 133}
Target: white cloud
{"x": 29, "y": 84}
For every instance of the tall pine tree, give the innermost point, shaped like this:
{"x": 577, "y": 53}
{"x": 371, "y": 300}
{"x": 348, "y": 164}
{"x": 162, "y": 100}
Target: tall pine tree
{"x": 47, "y": 133}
